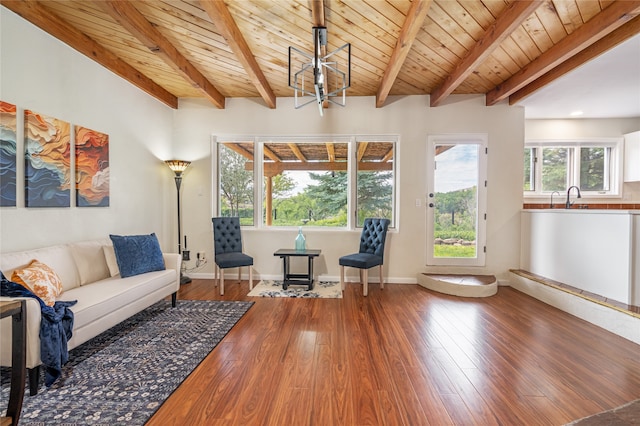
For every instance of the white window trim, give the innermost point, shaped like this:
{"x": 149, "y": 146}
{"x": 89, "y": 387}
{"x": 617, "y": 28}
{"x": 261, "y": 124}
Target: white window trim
{"x": 259, "y": 142}
{"x": 616, "y": 170}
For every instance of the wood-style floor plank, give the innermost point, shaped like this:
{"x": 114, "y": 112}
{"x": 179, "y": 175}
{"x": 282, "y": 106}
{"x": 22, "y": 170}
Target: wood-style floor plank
{"x": 403, "y": 356}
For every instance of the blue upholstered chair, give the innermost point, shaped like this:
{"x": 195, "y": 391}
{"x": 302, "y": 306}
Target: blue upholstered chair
{"x": 371, "y": 253}
{"x": 227, "y": 240}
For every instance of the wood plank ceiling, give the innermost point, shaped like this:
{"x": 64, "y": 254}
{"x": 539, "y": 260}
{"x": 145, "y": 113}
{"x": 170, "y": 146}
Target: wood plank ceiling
{"x": 238, "y": 48}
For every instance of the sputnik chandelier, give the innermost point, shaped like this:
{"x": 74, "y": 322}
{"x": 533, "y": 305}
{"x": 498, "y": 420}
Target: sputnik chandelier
{"x": 323, "y": 69}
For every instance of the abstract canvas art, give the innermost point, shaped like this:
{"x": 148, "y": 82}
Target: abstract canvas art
{"x": 92, "y": 168}
{"x": 8, "y": 149}
{"x": 47, "y": 155}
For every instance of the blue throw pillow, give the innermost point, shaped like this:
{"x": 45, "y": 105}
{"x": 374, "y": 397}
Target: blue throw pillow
{"x": 137, "y": 254}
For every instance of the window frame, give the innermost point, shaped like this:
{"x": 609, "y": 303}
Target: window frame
{"x": 258, "y": 175}
{"x": 613, "y": 158}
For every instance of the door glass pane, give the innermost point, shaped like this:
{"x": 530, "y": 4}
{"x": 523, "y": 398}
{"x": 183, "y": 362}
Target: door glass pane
{"x": 235, "y": 160}
{"x": 554, "y": 169}
{"x": 456, "y": 201}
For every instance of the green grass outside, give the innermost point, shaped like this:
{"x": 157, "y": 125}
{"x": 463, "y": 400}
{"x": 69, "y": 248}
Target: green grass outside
{"x": 454, "y": 251}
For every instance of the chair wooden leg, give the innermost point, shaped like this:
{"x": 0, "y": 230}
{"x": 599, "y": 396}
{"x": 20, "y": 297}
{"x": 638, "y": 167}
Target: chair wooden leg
{"x": 365, "y": 282}
{"x": 250, "y": 277}
{"x": 221, "y": 282}
{"x": 381, "y": 278}
{"x": 342, "y": 277}
{"x": 239, "y": 273}
{"x": 215, "y": 275}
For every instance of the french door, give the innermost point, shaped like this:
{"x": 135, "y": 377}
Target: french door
{"x": 456, "y": 199}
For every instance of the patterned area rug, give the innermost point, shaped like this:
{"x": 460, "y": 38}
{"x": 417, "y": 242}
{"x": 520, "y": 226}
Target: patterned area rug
{"x": 123, "y": 375}
{"x": 321, "y": 289}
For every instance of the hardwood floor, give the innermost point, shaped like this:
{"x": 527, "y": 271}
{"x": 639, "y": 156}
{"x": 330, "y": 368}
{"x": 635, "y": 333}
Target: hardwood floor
{"x": 403, "y": 355}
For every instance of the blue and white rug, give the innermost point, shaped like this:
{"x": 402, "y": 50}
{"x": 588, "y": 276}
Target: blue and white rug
{"x": 321, "y": 289}
{"x": 123, "y": 375}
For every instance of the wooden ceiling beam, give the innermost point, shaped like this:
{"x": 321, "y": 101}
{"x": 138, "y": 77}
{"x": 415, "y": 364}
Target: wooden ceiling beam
{"x": 296, "y": 151}
{"x": 51, "y": 23}
{"x": 238, "y": 149}
{"x": 317, "y": 13}
{"x": 388, "y": 156}
{"x": 331, "y": 151}
{"x": 275, "y": 168}
{"x": 412, "y": 24}
{"x": 272, "y": 155}
{"x": 515, "y": 14}
{"x": 134, "y": 22}
{"x": 607, "y": 21}
{"x": 603, "y": 45}
{"x": 222, "y": 19}
{"x": 362, "y": 147}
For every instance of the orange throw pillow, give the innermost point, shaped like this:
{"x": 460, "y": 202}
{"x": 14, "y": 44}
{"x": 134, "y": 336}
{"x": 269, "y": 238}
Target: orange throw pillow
{"x": 40, "y": 279}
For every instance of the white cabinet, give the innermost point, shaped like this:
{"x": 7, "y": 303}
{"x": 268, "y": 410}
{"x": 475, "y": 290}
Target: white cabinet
{"x": 632, "y": 157}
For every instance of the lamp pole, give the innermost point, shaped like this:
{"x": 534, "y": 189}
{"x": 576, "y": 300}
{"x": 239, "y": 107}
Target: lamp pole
{"x": 178, "y": 179}
{"x": 179, "y": 166}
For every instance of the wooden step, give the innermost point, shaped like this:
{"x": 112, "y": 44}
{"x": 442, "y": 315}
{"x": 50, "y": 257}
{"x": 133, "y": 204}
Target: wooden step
{"x": 460, "y": 285}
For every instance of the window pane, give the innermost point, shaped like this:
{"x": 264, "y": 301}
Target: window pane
{"x": 305, "y": 184}
{"x": 529, "y": 169}
{"x": 375, "y": 180}
{"x": 593, "y": 171}
{"x": 554, "y": 169}
{"x": 236, "y": 180}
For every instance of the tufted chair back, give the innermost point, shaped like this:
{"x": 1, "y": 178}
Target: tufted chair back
{"x": 226, "y": 235}
{"x": 374, "y": 233}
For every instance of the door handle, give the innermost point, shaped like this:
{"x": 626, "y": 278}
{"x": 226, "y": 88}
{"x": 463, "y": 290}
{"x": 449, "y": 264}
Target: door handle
{"x": 431, "y": 204}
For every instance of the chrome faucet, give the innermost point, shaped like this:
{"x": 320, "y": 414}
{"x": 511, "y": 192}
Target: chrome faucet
{"x": 569, "y": 204}
{"x": 554, "y": 192}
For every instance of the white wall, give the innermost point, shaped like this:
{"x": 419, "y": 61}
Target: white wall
{"x": 40, "y": 73}
{"x": 587, "y": 249}
{"x": 411, "y": 117}
{"x": 588, "y": 128}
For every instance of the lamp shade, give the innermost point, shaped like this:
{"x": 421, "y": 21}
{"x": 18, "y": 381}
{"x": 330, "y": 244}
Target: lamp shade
{"x": 178, "y": 166}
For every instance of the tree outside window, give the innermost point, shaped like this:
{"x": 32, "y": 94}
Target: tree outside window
{"x": 306, "y": 183}
{"x": 236, "y": 182}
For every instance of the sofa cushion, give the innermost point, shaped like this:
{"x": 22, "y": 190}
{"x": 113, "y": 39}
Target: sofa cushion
{"x": 107, "y": 296}
{"x": 57, "y": 257}
{"x": 137, "y": 254}
{"x": 40, "y": 279}
{"x": 112, "y": 263}
{"x": 90, "y": 261}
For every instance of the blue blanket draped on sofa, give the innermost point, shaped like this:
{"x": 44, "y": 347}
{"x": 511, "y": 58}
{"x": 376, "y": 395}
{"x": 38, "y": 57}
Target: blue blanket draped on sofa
{"x": 55, "y": 329}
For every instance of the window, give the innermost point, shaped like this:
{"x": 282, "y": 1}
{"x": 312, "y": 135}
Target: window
{"x": 306, "y": 181}
{"x": 374, "y": 180}
{"x": 556, "y": 165}
{"x": 236, "y": 180}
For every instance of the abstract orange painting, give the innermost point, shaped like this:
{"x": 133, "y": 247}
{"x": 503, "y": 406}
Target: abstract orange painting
{"x": 92, "y": 168}
{"x": 8, "y": 150}
{"x": 47, "y": 161}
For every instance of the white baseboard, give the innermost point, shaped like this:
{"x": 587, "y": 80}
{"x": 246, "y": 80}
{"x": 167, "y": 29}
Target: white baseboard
{"x": 621, "y": 323}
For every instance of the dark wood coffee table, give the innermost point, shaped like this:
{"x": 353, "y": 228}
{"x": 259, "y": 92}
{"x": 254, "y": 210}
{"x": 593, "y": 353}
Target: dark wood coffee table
{"x": 297, "y": 279}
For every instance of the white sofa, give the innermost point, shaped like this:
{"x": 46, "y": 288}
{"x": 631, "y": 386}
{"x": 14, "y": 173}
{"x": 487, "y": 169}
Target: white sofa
{"x": 103, "y": 300}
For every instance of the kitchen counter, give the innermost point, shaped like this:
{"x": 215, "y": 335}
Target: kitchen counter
{"x": 593, "y": 250}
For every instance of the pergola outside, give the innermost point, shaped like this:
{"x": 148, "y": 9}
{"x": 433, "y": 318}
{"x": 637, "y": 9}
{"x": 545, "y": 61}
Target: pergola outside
{"x": 284, "y": 156}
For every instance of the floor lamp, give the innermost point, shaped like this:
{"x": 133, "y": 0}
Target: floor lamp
{"x": 179, "y": 166}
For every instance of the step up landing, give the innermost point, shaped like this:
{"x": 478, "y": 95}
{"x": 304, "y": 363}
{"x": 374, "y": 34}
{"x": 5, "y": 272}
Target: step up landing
{"x": 460, "y": 285}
